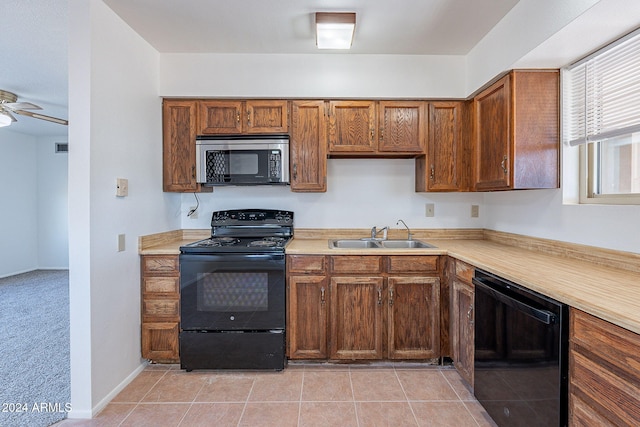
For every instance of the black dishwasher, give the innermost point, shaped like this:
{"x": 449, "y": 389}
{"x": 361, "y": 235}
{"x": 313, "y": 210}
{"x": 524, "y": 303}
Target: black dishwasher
{"x": 521, "y": 354}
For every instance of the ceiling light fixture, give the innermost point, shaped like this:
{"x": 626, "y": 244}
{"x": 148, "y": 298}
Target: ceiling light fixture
{"x": 334, "y": 30}
{"x": 5, "y": 119}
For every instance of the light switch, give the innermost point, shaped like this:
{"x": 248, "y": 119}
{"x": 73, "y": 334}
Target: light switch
{"x": 122, "y": 187}
{"x": 121, "y": 244}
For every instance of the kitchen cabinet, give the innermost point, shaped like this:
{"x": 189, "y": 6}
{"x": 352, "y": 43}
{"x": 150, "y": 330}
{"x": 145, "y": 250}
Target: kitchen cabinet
{"x": 230, "y": 117}
{"x": 377, "y": 128}
{"x": 351, "y": 307}
{"x": 160, "y": 308}
{"x": 516, "y": 132}
{"x": 307, "y": 313}
{"x": 308, "y": 146}
{"x": 179, "y": 146}
{"x": 462, "y": 318}
{"x": 446, "y": 165}
{"x": 604, "y": 373}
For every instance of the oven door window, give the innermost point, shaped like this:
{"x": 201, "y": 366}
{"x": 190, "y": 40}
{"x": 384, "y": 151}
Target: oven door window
{"x": 232, "y": 292}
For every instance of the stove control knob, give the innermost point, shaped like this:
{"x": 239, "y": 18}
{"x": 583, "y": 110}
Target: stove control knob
{"x": 232, "y": 318}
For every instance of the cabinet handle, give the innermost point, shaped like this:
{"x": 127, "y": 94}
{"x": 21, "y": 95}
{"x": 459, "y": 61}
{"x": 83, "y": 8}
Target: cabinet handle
{"x": 373, "y": 133}
{"x": 503, "y": 164}
{"x": 432, "y": 176}
{"x": 295, "y": 171}
{"x": 193, "y": 172}
{"x": 322, "y": 295}
{"x": 379, "y": 296}
{"x": 381, "y": 134}
{"x": 390, "y": 297}
{"x": 238, "y": 116}
{"x": 248, "y": 118}
{"x": 469, "y": 314}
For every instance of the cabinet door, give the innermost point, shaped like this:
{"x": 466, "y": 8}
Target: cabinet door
{"x": 352, "y": 127}
{"x": 307, "y": 322}
{"x": 444, "y": 164}
{"x": 179, "y": 146}
{"x": 356, "y": 305}
{"x": 414, "y": 317}
{"x": 462, "y": 329}
{"x": 219, "y": 117}
{"x": 403, "y": 126}
{"x": 492, "y": 110}
{"x": 308, "y": 147}
{"x": 267, "y": 116}
{"x": 160, "y": 342}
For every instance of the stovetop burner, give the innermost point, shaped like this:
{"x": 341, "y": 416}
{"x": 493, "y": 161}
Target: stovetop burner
{"x": 249, "y": 230}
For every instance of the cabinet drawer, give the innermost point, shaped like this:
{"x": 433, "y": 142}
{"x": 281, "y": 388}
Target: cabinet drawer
{"x": 160, "y": 264}
{"x": 161, "y": 285}
{"x": 161, "y": 307}
{"x": 355, "y": 264}
{"x": 306, "y": 264}
{"x": 412, "y": 264}
{"x": 464, "y": 271}
{"x": 607, "y": 341}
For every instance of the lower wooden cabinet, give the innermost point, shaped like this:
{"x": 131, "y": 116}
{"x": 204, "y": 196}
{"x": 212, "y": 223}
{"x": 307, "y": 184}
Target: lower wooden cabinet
{"x": 604, "y": 373}
{"x": 363, "y": 307}
{"x": 160, "y": 308}
{"x": 462, "y": 319}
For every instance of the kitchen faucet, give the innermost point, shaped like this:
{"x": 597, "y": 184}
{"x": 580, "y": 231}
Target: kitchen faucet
{"x": 409, "y": 234}
{"x": 375, "y": 232}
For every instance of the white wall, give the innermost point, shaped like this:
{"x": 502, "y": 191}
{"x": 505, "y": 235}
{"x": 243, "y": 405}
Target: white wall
{"x": 362, "y": 193}
{"x": 115, "y": 132}
{"x": 53, "y": 230}
{"x": 19, "y": 203}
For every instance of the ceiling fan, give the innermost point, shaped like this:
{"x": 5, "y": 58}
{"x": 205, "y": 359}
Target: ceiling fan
{"x": 9, "y": 106}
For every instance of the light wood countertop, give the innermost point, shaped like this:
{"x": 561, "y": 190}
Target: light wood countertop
{"x": 610, "y": 293}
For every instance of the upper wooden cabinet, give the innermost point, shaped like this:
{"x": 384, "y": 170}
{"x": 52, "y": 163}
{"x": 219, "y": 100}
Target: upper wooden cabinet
{"x": 179, "y": 146}
{"x": 446, "y": 165}
{"x": 382, "y": 128}
{"x": 229, "y": 117}
{"x": 308, "y": 147}
{"x": 516, "y": 132}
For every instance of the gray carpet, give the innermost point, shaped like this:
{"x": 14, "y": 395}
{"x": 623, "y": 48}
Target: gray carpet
{"x": 34, "y": 348}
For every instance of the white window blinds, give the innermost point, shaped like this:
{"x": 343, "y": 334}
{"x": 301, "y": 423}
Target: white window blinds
{"x": 603, "y": 93}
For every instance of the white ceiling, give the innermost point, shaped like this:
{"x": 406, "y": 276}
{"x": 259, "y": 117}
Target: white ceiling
{"x": 35, "y": 35}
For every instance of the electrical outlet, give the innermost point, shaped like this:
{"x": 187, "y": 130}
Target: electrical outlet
{"x": 429, "y": 209}
{"x": 194, "y": 212}
{"x": 475, "y": 211}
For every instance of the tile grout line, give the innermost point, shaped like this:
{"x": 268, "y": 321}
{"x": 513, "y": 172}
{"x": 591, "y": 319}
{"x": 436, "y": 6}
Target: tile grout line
{"x": 460, "y": 398}
{"x": 192, "y": 402}
{"x": 353, "y": 397}
{"x": 304, "y": 370}
{"x": 415, "y": 418}
{"x": 246, "y": 400}
{"x": 142, "y": 398}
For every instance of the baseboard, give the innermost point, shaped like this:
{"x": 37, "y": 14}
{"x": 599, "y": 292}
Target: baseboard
{"x": 18, "y": 272}
{"x": 109, "y": 397}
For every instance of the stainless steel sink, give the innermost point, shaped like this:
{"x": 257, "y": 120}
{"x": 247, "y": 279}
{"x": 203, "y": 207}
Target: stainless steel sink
{"x": 353, "y": 244}
{"x": 405, "y": 244}
{"x": 377, "y": 244}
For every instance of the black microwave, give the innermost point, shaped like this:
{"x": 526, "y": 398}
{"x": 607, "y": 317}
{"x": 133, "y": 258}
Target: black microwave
{"x": 242, "y": 160}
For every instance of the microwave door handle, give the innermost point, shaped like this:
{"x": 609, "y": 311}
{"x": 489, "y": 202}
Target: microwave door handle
{"x": 543, "y": 316}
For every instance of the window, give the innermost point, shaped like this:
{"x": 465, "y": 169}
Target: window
{"x": 602, "y": 116}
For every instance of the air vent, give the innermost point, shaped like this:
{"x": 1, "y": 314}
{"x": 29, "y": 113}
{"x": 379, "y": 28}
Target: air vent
{"x": 62, "y": 147}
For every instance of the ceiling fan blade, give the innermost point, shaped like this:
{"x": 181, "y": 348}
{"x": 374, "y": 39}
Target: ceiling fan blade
{"x": 42, "y": 117}
{"x": 21, "y": 106}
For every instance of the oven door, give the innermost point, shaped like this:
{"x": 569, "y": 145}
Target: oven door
{"x": 232, "y": 292}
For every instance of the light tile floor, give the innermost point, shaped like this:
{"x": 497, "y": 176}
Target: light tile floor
{"x": 302, "y": 395}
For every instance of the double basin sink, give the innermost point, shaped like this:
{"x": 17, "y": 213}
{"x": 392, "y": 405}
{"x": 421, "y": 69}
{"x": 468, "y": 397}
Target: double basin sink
{"x": 378, "y": 244}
